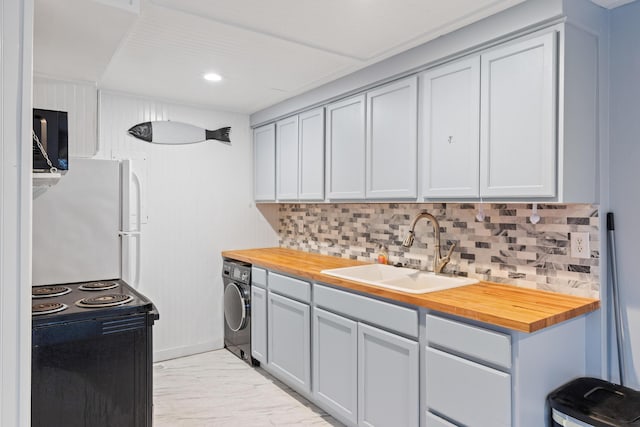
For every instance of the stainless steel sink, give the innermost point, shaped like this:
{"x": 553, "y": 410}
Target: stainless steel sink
{"x": 399, "y": 278}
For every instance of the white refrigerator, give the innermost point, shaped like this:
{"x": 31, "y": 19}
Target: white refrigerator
{"x": 83, "y": 226}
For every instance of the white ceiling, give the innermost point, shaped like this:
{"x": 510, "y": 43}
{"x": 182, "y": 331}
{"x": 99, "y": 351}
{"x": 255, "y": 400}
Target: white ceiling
{"x": 266, "y": 51}
{"x": 75, "y": 39}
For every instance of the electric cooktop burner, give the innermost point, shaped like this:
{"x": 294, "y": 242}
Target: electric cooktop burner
{"x": 100, "y": 301}
{"x": 98, "y": 286}
{"x": 47, "y": 308}
{"x": 49, "y": 291}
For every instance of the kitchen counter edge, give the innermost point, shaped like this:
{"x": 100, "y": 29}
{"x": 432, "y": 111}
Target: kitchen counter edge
{"x": 508, "y": 306}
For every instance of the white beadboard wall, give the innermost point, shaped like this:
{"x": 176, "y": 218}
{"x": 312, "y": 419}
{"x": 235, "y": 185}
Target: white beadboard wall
{"x": 199, "y": 202}
{"x": 80, "y": 100}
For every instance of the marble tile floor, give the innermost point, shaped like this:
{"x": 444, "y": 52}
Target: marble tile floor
{"x": 218, "y": 389}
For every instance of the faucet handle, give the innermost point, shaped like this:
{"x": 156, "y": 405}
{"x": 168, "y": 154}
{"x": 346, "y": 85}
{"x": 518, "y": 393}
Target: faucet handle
{"x": 442, "y": 262}
{"x": 448, "y": 257}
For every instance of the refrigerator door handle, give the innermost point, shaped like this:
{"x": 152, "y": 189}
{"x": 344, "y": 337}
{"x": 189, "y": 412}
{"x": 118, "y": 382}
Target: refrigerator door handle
{"x": 138, "y": 232}
{"x": 136, "y": 179}
{"x": 127, "y": 233}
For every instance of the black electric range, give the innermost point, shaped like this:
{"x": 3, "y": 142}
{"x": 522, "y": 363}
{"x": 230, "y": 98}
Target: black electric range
{"x": 91, "y": 355}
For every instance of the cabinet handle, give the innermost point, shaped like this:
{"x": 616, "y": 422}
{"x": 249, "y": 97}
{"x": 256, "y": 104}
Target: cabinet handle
{"x": 450, "y": 139}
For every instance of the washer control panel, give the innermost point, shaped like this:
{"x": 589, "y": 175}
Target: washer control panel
{"x": 237, "y": 271}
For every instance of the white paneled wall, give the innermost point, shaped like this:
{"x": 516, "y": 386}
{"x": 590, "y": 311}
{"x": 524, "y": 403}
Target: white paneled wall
{"x": 80, "y": 100}
{"x": 199, "y": 202}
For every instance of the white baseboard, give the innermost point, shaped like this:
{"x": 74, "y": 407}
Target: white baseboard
{"x": 172, "y": 353}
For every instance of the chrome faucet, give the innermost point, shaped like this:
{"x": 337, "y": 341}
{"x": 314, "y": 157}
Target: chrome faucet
{"x": 438, "y": 261}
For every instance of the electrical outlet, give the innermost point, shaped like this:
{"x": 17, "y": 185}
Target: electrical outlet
{"x": 580, "y": 245}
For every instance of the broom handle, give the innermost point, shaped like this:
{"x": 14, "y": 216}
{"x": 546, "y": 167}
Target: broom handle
{"x": 616, "y": 296}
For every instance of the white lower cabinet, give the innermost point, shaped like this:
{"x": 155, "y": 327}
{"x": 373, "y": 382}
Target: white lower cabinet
{"x": 364, "y": 375}
{"x": 372, "y": 363}
{"x": 289, "y": 341}
{"x": 467, "y": 372}
{"x": 477, "y": 376}
{"x": 259, "y": 324}
{"x": 388, "y": 378}
{"x": 335, "y": 363}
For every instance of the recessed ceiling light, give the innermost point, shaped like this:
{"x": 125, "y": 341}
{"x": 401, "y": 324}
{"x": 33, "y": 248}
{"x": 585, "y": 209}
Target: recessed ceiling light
{"x": 213, "y": 77}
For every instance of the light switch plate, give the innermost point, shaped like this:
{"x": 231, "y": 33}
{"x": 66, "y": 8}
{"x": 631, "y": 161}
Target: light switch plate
{"x": 580, "y": 245}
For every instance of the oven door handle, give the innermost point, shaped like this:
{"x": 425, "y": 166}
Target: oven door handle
{"x": 154, "y": 314}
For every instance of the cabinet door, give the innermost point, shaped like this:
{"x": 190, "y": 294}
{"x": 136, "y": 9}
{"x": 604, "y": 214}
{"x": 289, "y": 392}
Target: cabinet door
{"x": 264, "y": 163}
{"x": 518, "y": 119}
{"x": 311, "y": 128}
{"x": 450, "y": 133}
{"x": 287, "y": 155}
{"x": 335, "y": 363}
{"x": 289, "y": 341}
{"x": 467, "y": 392}
{"x": 259, "y": 324}
{"x": 346, "y": 149}
{"x": 387, "y": 379}
{"x": 392, "y": 142}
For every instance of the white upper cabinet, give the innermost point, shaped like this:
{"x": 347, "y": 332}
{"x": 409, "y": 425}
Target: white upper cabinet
{"x": 300, "y": 157}
{"x": 450, "y": 130}
{"x": 345, "y": 139}
{"x": 287, "y": 155}
{"x": 311, "y": 147}
{"x": 264, "y": 162}
{"x": 391, "y": 151}
{"x": 518, "y": 119}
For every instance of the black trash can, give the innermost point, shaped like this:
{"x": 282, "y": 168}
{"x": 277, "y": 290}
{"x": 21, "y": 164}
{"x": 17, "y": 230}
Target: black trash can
{"x": 586, "y": 402}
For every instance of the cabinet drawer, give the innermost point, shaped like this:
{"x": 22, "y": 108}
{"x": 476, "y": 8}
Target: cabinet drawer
{"x": 436, "y": 421}
{"x": 467, "y": 392}
{"x": 389, "y": 316}
{"x": 476, "y": 343}
{"x": 258, "y": 277}
{"x": 290, "y": 287}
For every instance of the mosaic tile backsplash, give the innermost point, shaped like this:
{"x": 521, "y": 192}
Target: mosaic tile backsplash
{"x": 505, "y": 247}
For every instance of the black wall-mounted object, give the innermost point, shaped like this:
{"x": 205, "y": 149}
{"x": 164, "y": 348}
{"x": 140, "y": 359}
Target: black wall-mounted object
{"x": 51, "y": 128}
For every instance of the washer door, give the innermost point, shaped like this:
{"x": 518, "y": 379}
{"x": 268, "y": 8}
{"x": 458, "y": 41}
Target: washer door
{"x": 235, "y": 307}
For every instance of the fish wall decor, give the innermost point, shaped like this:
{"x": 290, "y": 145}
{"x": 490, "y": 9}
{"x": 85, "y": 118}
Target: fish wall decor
{"x": 168, "y": 132}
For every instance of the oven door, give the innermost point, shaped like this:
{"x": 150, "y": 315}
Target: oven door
{"x": 92, "y": 373}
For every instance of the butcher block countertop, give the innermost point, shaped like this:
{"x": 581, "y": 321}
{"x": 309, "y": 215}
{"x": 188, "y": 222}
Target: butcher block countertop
{"x": 519, "y": 309}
